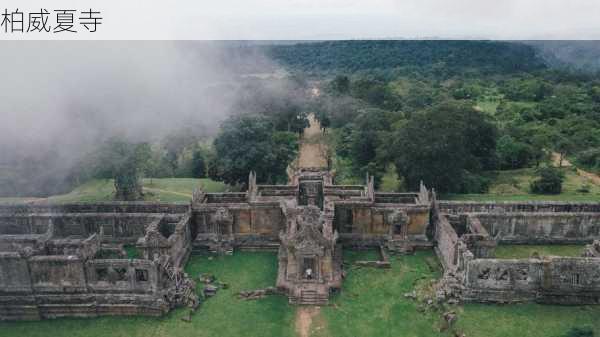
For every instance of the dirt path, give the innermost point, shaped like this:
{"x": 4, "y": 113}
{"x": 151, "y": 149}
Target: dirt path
{"x": 313, "y": 150}
{"x": 556, "y": 161}
{"x": 305, "y": 317}
{"x": 593, "y": 177}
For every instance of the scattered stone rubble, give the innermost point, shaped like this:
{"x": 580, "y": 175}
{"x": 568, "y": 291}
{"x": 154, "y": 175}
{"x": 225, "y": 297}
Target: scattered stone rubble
{"x": 258, "y": 293}
{"x": 211, "y": 285}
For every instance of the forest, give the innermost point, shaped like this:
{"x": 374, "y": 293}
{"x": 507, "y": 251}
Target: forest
{"x": 453, "y": 114}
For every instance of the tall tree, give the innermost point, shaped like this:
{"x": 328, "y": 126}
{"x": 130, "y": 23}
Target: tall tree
{"x": 446, "y": 146}
{"x": 365, "y": 141}
{"x": 251, "y": 143}
{"x": 126, "y": 163}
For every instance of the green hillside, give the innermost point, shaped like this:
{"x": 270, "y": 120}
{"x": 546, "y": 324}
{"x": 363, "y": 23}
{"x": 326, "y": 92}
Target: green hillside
{"x": 157, "y": 189}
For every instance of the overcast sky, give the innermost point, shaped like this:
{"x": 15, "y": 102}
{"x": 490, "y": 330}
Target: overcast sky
{"x": 331, "y": 19}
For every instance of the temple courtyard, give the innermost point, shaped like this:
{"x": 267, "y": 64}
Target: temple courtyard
{"x": 372, "y": 303}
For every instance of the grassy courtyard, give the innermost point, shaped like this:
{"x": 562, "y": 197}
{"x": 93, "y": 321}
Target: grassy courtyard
{"x": 372, "y": 303}
{"x": 525, "y": 251}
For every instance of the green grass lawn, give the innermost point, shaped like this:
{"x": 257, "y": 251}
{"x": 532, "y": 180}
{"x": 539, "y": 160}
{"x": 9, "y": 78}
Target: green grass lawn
{"x": 372, "y": 303}
{"x": 513, "y": 185}
{"x": 225, "y": 315}
{"x": 525, "y": 251}
{"x": 163, "y": 189}
{"x": 132, "y": 252}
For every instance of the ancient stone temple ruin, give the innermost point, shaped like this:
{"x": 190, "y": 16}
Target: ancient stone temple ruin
{"x": 71, "y": 260}
{"x": 308, "y": 222}
{"x": 310, "y": 261}
{"x": 124, "y": 258}
{"x": 467, "y": 234}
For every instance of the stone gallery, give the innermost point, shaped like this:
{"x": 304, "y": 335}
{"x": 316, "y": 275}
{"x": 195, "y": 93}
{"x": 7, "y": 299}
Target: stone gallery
{"x": 127, "y": 258}
{"x": 71, "y": 260}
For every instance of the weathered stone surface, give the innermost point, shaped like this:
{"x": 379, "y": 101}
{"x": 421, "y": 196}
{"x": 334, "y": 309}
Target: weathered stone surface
{"x": 472, "y": 275}
{"x": 52, "y": 265}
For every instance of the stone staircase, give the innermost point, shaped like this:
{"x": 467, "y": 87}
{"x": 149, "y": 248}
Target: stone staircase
{"x": 310, "y": 296}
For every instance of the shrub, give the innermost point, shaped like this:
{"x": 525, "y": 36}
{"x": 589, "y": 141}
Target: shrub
{"x": 512, "y": 154}
{"x": 584, "y": 189}
{"x": 589, "y": 158}
{"x": 585, "y": 331}
{"x": 549, "y": 181}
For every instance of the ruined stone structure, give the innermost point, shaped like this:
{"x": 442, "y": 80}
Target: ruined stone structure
{"x": 310, "y": 261}
{"x": 70, "y": 260}
{"x": 308, "y": 222}
{"x": 467, "y": 233}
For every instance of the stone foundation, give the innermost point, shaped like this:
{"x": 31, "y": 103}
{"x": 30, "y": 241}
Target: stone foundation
{"x": 474, "y": 275}
{"x": 53, "y": 257}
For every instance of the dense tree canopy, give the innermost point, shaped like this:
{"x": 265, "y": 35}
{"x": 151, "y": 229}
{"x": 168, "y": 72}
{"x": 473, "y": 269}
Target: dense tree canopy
{"x": 251, "y": 143}
{"x": 439, "y": 57}
{"x": 446, "y": 146}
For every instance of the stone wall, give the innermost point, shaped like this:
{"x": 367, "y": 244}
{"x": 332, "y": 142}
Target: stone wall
{"x": 84, "y": 249}
{"x": 116, "y": 227}
{"x": 478, "y": 239}
{"x": 540, "y": 228}
{"x": 497, "y": 280}
{"x": 66, "y": 286}
{"x": 181, "y": 242}
{"x": 57, "y": 274}
{"x": 359, "y": 214}
{"x": 114, "y": 275}
{"x": 20, "y": 224}
{"x": 446, "y": 243}
{"x": 71, "y": 274}
{"x": 559, "y": 280}
{"x": 459, "y": 207}
{"x": 99, "y": 207}
{"x": 253, "y": 224}
{"x": 48, "y": 264}
{"x": 14, "y": 273}
{"x": 354, "y": 219}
